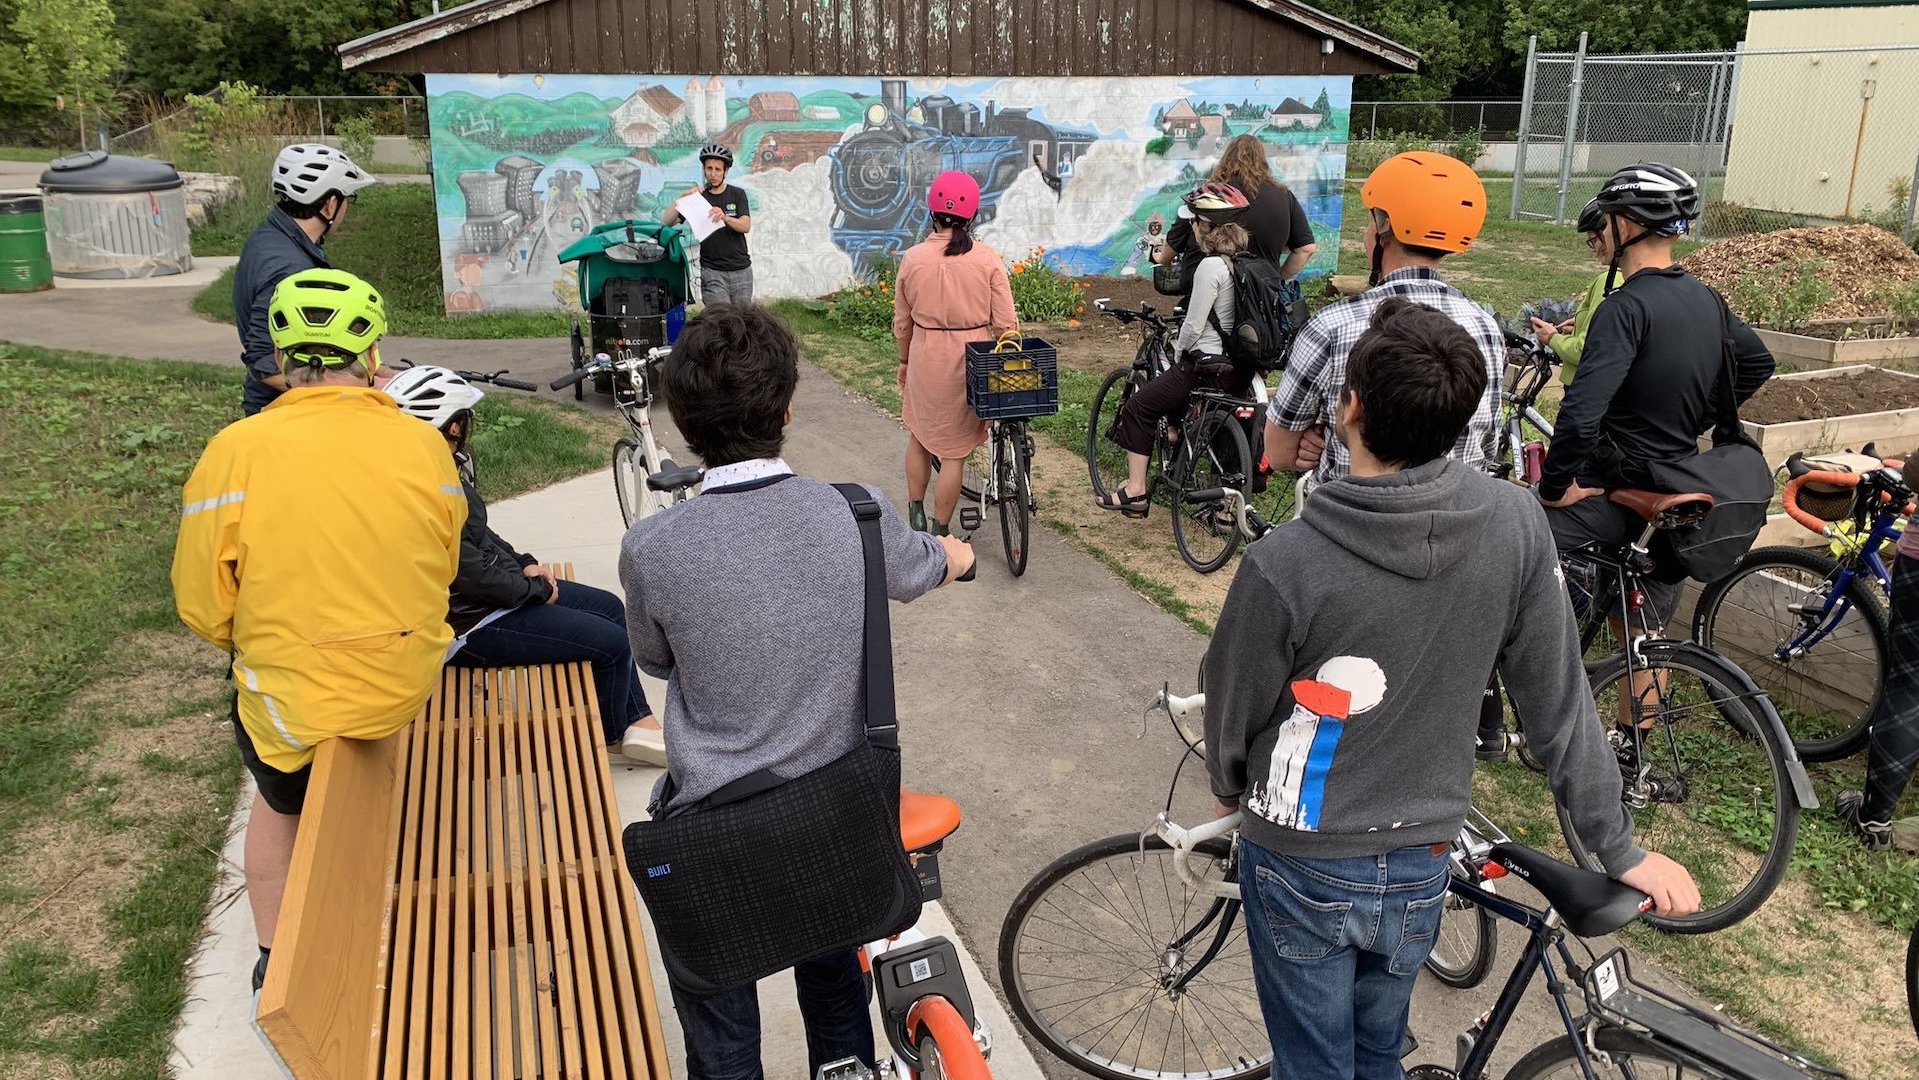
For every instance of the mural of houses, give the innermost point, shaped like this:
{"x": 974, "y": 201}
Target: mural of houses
{"x": 774, "y": 107}
{"x": 1294, "y": 113}
{"x": 1212, "y": 127}
{"x": 1179, "y": 120}
{"x": 644, "y": 118}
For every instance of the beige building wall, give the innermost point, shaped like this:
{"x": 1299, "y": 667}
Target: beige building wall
{"x": 1796, "y": 137}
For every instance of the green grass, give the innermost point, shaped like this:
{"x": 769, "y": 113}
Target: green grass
{"x": 31, "y": 153}
{"x": 389, "y": 237}
{"x": 87, "y": 524}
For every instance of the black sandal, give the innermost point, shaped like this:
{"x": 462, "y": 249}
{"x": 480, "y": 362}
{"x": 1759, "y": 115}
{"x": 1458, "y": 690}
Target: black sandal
{"x": 1132, "y": 506}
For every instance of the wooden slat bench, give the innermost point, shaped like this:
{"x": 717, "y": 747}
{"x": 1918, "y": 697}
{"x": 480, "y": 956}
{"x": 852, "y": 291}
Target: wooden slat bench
{"x": 458, "y": 904}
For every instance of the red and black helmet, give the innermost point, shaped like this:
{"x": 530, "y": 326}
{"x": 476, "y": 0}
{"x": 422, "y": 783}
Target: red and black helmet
{"x": 1216, "y": 203}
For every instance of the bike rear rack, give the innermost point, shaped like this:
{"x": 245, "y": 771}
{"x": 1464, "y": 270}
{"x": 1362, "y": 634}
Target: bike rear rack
{"x": 1612, "y": 993}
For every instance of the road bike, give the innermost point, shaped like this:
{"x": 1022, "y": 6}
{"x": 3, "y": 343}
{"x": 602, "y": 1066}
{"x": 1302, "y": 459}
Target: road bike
{"x": 1127, "y": 958}
{"x": 1197, "y": 458}
{"x": 926, "y": 1008}
{"x": 645, "y": 480}
{"x": 1812, "y": 626}
{"x": 1000, "y": 475}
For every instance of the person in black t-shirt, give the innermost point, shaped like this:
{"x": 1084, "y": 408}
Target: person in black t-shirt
{"x": 726, "y": 270}
{"x": 1275, "y": 220}
{"x": 1650, "y": 372}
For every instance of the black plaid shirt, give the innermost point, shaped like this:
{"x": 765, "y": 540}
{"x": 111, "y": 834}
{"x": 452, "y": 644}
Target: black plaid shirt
{"x": 1308, "y": 394}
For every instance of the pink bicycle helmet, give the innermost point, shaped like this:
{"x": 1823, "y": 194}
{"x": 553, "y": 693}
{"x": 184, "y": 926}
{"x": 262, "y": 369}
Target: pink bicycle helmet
{"x": 954, "y": 193}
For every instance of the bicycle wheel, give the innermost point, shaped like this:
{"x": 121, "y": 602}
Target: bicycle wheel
{"x": 1705, "y": 780}
{"x": 1912, "y": 979}
{"x": 1634, "y": 1057}
{"x": 943, "y": 1042}
{"x": 1015, "y": 492}
{"x": 971, "y": 480}
{"x": 1105, "y": 461}
{"x": 1207, "y": 532}
{"x": 1467, "y": 942}
{"x": 1092, "y": 946}
{"x": 629, "y": 481}
{"x": 1767, "y": 618}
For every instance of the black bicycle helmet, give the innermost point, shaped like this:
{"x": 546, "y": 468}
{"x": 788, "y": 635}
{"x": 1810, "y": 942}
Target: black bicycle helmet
{"x": 1590, "y": 219}
{"x": 716, "y": 150}
{"x": 1216, "y": 203}
{"x": 1660, "y": 197}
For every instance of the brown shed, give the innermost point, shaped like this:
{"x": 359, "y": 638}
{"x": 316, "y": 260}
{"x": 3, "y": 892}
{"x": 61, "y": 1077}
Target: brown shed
{"x": 832, "y": 37}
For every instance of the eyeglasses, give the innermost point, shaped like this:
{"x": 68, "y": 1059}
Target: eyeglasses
{"x": 1592, "y": 241}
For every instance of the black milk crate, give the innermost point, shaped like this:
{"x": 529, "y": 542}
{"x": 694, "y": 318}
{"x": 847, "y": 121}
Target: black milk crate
{"x": 1012, "y": 385}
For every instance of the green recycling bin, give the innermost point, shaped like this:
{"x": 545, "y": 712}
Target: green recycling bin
{"x": 24, "y": 263}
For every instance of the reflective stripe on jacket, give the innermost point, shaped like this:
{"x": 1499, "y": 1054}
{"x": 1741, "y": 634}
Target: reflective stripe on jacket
{"x": 317, "y": 543}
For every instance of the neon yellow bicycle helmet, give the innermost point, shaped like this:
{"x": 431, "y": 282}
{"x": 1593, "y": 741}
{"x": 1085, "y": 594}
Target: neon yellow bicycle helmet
{"x": 324, "y": 318}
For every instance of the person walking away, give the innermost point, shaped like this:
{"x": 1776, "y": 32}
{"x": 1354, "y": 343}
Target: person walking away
{"x": 1326, "y": 692}
{"x": 1274, "y": 220}
{"x": 313, "y": 184}
{"x": 726, "y": 268}
{"x": 317, "y": 542}
{"x": 506, "y": 609}
{"x": 951, "y": 289}
{"x": 1568, "y": 339}
{"x": 750, "y": 602}
{"x": 1199, "y": 350}
{"x": 1649, "y": 379}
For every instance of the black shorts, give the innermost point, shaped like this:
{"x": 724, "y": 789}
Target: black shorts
{"x": 1597, "y": 519}
{"x": 286, "y": 793}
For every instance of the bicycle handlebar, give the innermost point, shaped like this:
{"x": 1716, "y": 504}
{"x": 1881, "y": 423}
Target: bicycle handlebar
{"x": 514, "y": 384}
{"x": 1789, "y": 497}
{"x": 571, "y": 377}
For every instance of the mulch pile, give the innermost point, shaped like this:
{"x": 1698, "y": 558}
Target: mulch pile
{"x": 1860, "y": 261}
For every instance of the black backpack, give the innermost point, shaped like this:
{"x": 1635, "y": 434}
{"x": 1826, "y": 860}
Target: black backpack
{"x": 1269, "y": 309}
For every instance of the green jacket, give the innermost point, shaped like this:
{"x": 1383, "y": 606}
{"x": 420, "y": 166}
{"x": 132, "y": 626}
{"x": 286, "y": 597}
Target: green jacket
{"x": 1568, "y": 346}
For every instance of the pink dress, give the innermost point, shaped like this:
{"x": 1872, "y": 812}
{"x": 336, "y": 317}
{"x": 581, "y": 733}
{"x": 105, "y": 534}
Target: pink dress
{"x": 939, "y": 305}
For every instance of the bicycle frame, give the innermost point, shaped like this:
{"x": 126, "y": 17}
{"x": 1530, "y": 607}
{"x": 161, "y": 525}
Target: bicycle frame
{"x": 1885, "y": 529}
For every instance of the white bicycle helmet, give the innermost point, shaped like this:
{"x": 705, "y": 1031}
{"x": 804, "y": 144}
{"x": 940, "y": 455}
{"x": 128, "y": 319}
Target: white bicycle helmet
{"x": 305, "y": 173}
{"x": 433, "y": 394}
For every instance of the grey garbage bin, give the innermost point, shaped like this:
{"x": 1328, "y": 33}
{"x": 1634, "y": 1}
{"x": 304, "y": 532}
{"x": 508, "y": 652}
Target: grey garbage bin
{"x": 115, "y": 217}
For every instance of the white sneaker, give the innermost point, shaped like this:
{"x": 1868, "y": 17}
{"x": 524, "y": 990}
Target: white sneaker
{"x": 643, "y": 746}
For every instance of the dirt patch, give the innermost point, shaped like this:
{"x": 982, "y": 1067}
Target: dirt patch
{"x": 1855, "y": 330}
{"x": 1782, "y": 401}
{"x": 1861, "y": 260}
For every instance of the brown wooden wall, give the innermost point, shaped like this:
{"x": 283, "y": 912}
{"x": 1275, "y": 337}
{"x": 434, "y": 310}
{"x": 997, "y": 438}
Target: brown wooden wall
{"x": 886, "y": 37}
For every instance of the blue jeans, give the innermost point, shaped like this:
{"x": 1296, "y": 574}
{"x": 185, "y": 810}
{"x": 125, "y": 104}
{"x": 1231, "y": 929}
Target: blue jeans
{"x": 723, "y": 1033}
{"x": 1336, "y": 945}
{"x": 583, "y": 624}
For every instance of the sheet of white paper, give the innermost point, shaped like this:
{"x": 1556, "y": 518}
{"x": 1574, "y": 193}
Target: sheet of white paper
{"x": 699, "y": 216}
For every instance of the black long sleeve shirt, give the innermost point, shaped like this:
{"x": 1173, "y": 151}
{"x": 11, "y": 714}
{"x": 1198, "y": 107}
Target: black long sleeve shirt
{"x": 1645, "y": 387}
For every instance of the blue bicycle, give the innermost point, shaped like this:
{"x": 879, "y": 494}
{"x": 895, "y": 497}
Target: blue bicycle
{"x": 1810, "y": 626}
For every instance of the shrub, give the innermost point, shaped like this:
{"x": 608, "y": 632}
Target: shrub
{"x": 1782, "y": 296}
{"x": 1158, "y": 146}
{"x": 1469, "y": 147}
{"x": 866, "y": 309}
{"x": 1902, "y": 303}
{"x": 356, "y": 134}
{"x": 1042, "y": 292}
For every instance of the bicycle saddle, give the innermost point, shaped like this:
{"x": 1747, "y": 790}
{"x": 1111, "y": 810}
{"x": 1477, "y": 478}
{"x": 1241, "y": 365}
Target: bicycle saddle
{"x": 675, "y": 477}
{"x": 1663, "y": 511}
{"x": 1592, "y": 904}
{"x": 925, "y": 819}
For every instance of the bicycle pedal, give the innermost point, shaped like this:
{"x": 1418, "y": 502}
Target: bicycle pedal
{"x": 970, "y": 518}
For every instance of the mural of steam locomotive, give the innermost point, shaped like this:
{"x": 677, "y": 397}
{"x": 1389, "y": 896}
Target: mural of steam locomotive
{"x": 881, "y": 173}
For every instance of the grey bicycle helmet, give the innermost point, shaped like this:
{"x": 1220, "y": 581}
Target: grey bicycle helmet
{"x": 306, "y": 173}
{"x": 1661, "y": 197}
{"x": 716, "y": 150}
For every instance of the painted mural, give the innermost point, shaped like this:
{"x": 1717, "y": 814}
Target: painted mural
{"x": 836, "y": 169}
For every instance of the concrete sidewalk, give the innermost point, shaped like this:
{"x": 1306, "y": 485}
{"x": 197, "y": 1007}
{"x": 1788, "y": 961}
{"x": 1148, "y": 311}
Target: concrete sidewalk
{"x": 579, "y": 522}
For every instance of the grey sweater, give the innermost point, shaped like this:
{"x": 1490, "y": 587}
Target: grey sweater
{"x": 750, "y": 603}
{"x": 1344, "y": 679}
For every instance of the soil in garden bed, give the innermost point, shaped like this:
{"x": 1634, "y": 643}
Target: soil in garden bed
{"x": 1782, "y": 401}
{"x": 1869, "y": 330}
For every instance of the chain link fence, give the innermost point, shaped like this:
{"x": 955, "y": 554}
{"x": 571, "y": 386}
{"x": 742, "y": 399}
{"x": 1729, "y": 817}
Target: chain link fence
{"x": 1491, "y": 120}
{"x": 1775, "y": 137}
{"x": 325, "y": 119}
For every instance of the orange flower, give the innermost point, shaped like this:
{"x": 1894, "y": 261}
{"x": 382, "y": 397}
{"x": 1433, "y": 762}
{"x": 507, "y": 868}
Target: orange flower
{"x": 1080, "y": 310}
{"x": 1074, "y": 323}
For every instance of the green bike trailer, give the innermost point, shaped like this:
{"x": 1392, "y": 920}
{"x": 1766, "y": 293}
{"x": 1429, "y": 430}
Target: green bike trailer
{"x": 634, "y": 284}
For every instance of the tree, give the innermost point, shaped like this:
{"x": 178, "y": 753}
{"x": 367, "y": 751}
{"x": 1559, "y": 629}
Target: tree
{"x": 60, "y": 53}
{"x": 1323, "y": 105}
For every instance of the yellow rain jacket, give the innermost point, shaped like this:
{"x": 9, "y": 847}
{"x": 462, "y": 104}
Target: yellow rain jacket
{"x": 317, "y": 543}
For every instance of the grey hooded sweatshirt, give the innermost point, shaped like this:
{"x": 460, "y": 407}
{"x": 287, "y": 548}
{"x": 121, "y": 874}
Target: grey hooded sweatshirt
{"x": 1344, "y": 679}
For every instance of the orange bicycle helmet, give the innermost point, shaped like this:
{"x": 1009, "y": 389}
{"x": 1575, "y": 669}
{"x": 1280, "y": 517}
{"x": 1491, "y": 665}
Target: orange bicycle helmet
{"x": 1434, "y": 201}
